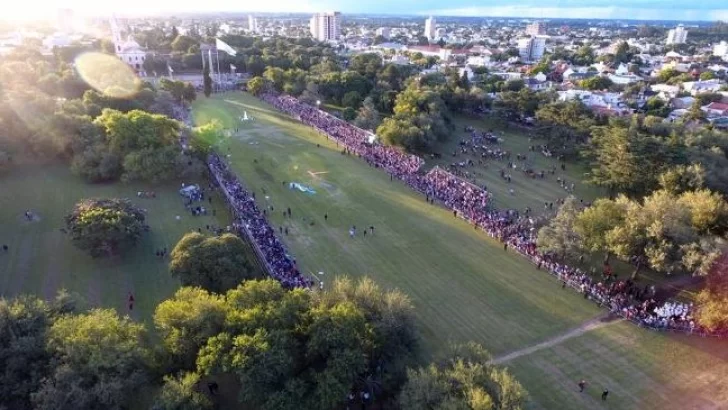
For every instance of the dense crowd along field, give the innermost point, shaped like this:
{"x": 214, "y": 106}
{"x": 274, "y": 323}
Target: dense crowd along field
{"x": 464, "y": 285}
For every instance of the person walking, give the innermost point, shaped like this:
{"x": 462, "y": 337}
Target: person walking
{"x": 605, "y": 393}
{"x": 582, "y": 385}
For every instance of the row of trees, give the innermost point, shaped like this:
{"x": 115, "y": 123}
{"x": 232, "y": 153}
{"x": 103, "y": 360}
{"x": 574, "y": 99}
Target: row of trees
{"x": 287, "y": 350}
{"x": 418, "y": 108}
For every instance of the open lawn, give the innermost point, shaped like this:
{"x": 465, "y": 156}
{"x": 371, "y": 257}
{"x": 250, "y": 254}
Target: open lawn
{"x": 463, "y": 284}
{"x": 41, "y": 259}
{"x": 527, "y": 191}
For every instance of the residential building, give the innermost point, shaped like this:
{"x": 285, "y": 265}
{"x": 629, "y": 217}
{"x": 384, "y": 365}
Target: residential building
{"x": 326, "y": 26}
{"x": 478, "y": 61}
{"x": 509, "y": 76}
{"x": 665, "y": 91}
{"x": 385, "y": 32}
{"x": 436, "y": 51}
{"x": 602, "y": 103}
{"x": 715, "y": 110}
{"x": 400, "y": 59}
{"x": 623, "y": 69}
{"x": 430, "y": 28}
{"x": 537, "y": 82}
{"x": 678, "y": 35}
{"x": 536, "y": 29}
{"x": 700, "y": 87}
{"x": 440, "y": 33}
{"x": 624, "y": 78}
{"x": 252, "y": 24}
{"x": 57, "y": 39}
{"x": 531, "y": 48}
{"x": 721, "y": 49}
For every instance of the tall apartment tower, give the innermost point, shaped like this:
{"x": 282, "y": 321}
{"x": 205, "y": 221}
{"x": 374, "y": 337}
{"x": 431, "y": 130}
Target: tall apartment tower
{"x": 326, "y": 26}
{"x": 536, "y": 29}
{"x": 252, "y": 24}
{"x": 531, "y": 48}
{"x": 430, "y": 29}
{"x": 678, "y": 35}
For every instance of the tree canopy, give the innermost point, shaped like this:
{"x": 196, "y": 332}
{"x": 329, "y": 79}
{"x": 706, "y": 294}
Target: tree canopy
{"x": 104, "y": 227}
{"x": 294, "y": 349}
{"x": 463, "y": 380}
{"x": 215, "y": 263}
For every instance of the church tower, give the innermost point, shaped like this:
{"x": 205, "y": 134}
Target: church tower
{"x": 115, "y": 34}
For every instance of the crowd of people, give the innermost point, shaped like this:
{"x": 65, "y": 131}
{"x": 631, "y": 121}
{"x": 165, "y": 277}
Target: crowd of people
{"x": 252, "y": 223}
{"x": 356, "y": 140}
{"x": 515, "y": 230}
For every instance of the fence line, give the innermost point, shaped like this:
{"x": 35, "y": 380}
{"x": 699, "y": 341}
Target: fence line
{"x": 247, "y": 234}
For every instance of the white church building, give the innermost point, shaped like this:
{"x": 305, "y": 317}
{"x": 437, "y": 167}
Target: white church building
{"x": 128, "y": 51}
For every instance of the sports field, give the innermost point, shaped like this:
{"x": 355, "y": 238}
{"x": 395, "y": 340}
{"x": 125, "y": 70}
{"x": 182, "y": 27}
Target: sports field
{"x": 464, "y": 285}
{"x": 41, "y": 259}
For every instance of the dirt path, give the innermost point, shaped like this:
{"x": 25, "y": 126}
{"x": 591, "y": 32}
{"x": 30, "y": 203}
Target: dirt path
{"x": 596, "y": 323}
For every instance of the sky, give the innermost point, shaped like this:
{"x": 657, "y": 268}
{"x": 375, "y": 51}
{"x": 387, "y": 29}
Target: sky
{"x": 602, "y": 9}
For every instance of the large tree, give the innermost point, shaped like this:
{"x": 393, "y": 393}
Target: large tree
{"x": 105, "y": 227}
{"x": 294, "y": 349}
{"x": 100, "y": 362}
{"x": 180, "y": 90}
{"x": 215, "y": 263}
{"x": 146, "y": 145}
{"x": 464, "y": 380}
{"x": 24, "y": 359}
{"x": 559, "y": 236}
{"x": 368, "y": 116}
{"x": 667, "y": 232}
{"x": 713, "y": 300}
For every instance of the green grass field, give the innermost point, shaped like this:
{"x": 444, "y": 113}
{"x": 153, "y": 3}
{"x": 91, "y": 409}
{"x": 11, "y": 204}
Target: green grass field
{"x": 527, "y": 191}
{"x": 41, "y": 259}
{"x": 463, "y": 284}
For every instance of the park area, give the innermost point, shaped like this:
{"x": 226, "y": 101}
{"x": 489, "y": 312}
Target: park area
{"x": 463, "y": 284}
{"x": 41, "y": 259}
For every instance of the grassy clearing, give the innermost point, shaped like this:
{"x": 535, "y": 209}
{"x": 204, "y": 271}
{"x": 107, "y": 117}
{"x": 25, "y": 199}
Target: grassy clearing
{"x": 528, "y": 192}
{"x": 464, "y": 286}
{"x": 41, "y": 259}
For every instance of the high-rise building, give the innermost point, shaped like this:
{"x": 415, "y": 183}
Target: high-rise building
{"x": 252, "y": 24}
{"x": 536, "y": 29}
{"x": 678, "y": 35}
{"x": 385, "y": 32}
{"x": 326, "y": 26}
{"x": 531, "y": 48}
{"x": 430, "y": 28}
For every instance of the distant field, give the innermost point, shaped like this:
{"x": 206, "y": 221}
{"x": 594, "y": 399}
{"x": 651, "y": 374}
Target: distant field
{"x": 41, "y": 259}
{"x": 527, "y": 191}
{"x": 464, "y": 285}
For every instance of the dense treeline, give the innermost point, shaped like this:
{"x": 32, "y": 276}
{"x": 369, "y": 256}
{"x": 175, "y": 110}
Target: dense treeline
{"x": 48, "y": 112}
{"x": 287, "y": 349}
{"x": 417, "y": 107}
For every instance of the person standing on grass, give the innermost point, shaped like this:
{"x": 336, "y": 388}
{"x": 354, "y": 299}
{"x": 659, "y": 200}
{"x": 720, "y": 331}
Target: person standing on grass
{"x": 605, "y": 393}
{"x": 582, "y": 385}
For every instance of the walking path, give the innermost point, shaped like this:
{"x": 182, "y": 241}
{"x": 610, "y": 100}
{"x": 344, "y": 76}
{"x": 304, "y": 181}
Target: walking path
{"x": 593, "y": 324}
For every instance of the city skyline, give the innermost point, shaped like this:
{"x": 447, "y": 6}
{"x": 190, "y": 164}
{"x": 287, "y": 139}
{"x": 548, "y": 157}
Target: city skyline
{"x": 709, "y": 10}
